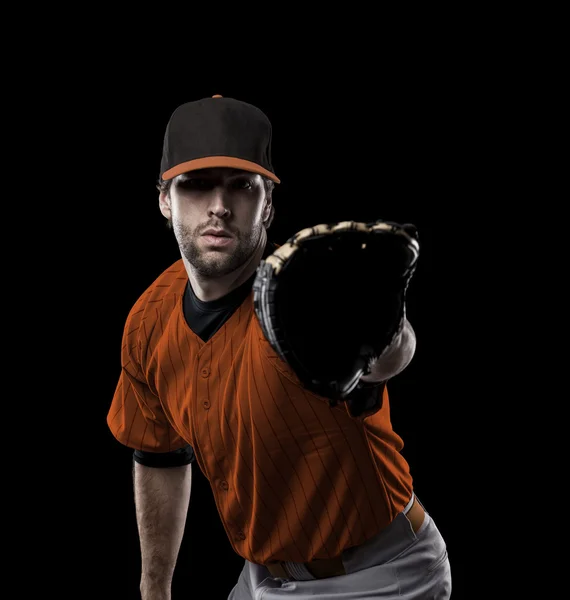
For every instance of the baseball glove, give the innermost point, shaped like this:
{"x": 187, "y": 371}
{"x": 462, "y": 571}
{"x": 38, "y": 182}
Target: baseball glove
{"x": 332, "y": 299}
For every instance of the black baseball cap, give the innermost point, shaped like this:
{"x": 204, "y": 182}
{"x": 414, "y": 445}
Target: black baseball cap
{"x": 217, "y": 132}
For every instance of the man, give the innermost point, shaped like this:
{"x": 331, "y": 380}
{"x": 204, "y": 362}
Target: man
{"x": 317, "y": 503}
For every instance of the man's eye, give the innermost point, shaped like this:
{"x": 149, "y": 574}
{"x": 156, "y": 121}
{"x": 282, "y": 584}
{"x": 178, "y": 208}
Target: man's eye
{"x": 196, "y": 184}
{"x": 242, "y": 184}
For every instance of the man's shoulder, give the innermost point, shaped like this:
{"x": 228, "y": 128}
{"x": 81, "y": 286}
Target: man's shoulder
{"x": 162, "y": 293}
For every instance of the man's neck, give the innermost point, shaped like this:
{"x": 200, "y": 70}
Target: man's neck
{"x": 207, "y": 289}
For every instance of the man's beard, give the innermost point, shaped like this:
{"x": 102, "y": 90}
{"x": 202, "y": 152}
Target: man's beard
{"x": 213, "y": 263}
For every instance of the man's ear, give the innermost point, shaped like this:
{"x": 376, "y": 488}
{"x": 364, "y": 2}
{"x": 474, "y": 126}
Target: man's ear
{"x": 164, "y": 204}
{"x": 267, "y": 209}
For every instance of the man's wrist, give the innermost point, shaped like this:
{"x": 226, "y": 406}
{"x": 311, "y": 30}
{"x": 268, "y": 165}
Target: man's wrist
{"x": 395, "y": 358}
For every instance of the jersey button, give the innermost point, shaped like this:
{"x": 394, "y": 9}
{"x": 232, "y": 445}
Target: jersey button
{"x": 206, "y": 404}
{"x": 224, "y": 485}
{"x": 240, "y": 535}
{"x": 205, "y": 372}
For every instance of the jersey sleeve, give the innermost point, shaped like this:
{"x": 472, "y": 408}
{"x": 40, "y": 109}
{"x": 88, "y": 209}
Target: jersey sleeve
{"x": 136, "y": 417}
{"x": 176, "y": 458}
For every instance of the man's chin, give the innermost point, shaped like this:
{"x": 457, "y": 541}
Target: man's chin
{"x": 214, "y": 264}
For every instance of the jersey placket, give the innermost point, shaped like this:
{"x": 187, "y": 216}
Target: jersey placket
{"x": 205, "y": 420}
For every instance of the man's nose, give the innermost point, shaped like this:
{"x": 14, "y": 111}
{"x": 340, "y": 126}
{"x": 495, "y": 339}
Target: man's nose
{"x": 219, "y": 202}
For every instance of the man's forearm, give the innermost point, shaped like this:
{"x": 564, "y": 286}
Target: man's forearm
{"x": 396, "y": 358}
{"x": 162, "y": 497}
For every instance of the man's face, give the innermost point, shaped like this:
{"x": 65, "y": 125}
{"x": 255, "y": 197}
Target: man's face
{"x": 217, "y": 217}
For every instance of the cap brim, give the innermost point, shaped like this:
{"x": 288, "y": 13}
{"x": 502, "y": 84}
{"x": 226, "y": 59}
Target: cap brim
{"x": 210, "y": 162}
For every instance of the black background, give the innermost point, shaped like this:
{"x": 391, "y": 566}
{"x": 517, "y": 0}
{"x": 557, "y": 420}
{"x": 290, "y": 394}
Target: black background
{"x": 344, "y": 151}
{"x": 340, "y": 157}
{"x": 428, "y": 118}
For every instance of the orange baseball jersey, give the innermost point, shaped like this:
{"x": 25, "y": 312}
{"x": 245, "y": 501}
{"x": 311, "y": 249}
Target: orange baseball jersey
{"x": 293, "y": 478}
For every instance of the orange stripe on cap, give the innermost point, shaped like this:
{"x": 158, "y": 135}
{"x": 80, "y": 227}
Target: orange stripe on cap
{"x": 209, "y": 162}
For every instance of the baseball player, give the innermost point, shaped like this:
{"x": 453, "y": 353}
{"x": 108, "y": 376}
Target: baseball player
{"x": 317, "y": 500}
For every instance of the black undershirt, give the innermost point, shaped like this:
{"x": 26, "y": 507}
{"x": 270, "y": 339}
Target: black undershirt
{"x": 205, "y": 319}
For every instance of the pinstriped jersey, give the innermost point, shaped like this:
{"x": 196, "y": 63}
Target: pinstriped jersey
{"x": 293, "y": 478}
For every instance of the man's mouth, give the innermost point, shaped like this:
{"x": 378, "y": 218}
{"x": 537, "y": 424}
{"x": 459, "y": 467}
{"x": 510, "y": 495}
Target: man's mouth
{"x": 217, "y": 237}
{"x": 217, "y": 233}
